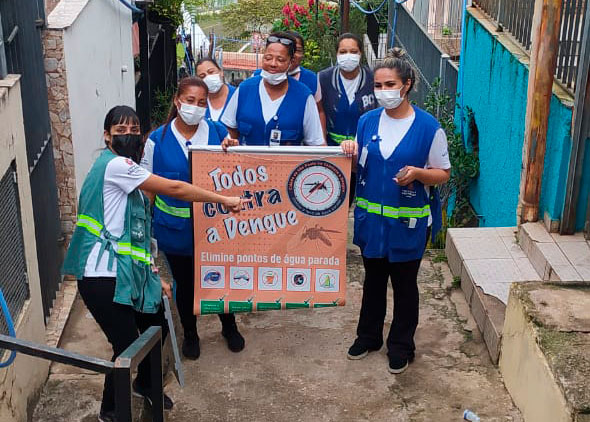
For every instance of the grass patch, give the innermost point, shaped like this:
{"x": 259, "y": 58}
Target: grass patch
{"x": 456, "y": 282}
{"x": 440, "y": 257}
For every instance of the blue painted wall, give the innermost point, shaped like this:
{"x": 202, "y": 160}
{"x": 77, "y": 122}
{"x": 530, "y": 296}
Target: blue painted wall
{"x": 495, "y": 87}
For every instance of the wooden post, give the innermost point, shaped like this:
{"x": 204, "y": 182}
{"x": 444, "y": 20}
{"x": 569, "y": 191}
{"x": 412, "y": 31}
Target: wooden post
{"x": 545, "y": 33}
{"x": 344, "y": 16}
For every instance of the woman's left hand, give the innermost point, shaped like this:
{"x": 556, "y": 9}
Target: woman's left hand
{"x": 411, "y": 173}
{"x": 166, "y": 289}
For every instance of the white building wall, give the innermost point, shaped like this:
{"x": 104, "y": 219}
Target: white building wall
{"x": 22, "y": 380}
{"x": 99, "y": 67}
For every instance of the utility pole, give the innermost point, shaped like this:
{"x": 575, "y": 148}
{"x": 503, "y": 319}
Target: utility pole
{"x": 545, "y": 32}
{"x": 344, "y": 16}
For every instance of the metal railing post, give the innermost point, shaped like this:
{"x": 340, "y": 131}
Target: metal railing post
{"x": 157, "y": 391}
{"x": 122, "y": 378}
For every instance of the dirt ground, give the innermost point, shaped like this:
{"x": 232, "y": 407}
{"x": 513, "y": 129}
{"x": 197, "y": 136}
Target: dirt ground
{"x": 294, "y": 367}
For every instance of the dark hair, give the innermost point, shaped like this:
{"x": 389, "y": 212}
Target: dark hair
{"x": 207, "y": 59}
{"x": 398, "y": 60}
{"x": 297, "y": 36}
{"x": 351, "y": 36}
{"x": 120, "y": 114}
{"x": 286, "y": 35}
{"x": 183, "y": 85}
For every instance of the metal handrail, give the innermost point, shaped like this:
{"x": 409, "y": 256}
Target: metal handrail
{"x": 148, "y": 344}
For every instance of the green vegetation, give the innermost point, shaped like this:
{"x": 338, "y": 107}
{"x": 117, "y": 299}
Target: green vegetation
{"x": 456, "y": 282}
{"x": 464, "y": 162}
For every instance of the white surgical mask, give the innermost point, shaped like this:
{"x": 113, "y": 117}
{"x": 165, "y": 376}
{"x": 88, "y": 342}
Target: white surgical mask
{"x": 295, "y": 71}
{"x": 213, "y": 82}
{"x": 389, "y": 98}
{"x": 348, "y": 62}
{"x": 273, "y": 78}
{"x": 191, "y": 114}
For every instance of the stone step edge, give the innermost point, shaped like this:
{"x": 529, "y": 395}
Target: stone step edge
{"x": 60, "y": 312}
{"x": 476, "y": 299}
{"x": 536, "y": 243}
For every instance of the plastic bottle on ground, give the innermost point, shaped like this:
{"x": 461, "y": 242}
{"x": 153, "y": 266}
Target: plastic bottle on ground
{"x": 468, "y": 415}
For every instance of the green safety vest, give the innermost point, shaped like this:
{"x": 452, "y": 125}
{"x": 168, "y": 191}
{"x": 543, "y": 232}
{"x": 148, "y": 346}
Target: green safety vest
{"x": 137, "y": 285}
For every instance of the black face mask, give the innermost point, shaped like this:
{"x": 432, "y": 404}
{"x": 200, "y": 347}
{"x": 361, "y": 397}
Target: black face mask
{"x": 130, "y": 146}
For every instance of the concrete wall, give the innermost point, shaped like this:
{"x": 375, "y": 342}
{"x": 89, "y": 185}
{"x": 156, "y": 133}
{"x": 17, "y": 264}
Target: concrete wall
{"x": 20, "y": 382}
{"x": 495, "y": 78}
{"x": 97, "y": 48}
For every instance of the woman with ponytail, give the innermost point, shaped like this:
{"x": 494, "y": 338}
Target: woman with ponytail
{"x": 166, "y": 154}
{"x": 400, "y": 153}
{"x": 219, "y": 92}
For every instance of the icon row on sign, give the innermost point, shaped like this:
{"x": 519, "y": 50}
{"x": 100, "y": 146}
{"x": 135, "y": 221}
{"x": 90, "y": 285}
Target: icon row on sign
{"x": 270, "y": 278}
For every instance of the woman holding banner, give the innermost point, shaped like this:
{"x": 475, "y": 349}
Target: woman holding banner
{"x": 273, "y": 108}
{"x": 219, "y": 92}
{"x": 403, "y": 154}
{"x": 110, "y": 250}
{"x": 167, "y": 155}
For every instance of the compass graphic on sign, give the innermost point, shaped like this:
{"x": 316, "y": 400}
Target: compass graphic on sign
{"x": 317, "y": 188}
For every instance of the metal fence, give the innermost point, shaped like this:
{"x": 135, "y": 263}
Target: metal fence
{"x": 516, "y": 17}
{"x": 431, "y": 62}
{"x": 13, "y": 266}
{"x": 22, "y": 22}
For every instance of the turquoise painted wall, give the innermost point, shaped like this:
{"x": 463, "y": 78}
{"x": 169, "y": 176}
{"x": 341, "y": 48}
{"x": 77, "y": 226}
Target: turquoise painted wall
{"x": 495, "y": 88}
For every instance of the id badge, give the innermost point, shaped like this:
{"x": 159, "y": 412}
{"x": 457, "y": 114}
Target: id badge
{"x": 275, "y": 138}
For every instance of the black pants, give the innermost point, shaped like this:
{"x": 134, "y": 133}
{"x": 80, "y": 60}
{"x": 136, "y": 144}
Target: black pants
{"x": 182, "y": 270}
{"x": 121, "y": 325}
{"x": 378, "y": 271}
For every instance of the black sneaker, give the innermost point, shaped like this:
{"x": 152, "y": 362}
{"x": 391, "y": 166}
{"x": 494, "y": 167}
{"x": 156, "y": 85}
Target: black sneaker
{"x": 106, "y": 416}
{"x": 139, "y": 391}
{"x": 398, "y": 365}
{"x": 235, "y": 341}
{"x": 190, "y": 346}
{"x": 358, "y": 350}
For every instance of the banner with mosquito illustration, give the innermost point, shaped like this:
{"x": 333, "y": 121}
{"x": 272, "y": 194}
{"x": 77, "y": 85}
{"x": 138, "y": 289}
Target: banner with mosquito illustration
{"x": 287, "y": 248}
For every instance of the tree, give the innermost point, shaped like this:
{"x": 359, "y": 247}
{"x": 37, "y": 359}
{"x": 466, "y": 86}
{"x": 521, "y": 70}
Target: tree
{"x": 172, "y": 9}
{"x": 248, "y": 16}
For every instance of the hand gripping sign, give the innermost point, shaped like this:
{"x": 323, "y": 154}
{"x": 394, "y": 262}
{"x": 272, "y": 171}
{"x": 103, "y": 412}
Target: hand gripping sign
{"x": 287, "y": 248}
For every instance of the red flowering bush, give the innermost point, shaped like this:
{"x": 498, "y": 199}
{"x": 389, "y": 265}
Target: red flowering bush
{"x": 318, "y": 23}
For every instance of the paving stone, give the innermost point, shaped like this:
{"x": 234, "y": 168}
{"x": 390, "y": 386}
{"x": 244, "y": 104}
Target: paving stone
{"x": 584, "y": 271}
{"x": 538, "y": 261}
{"x": 526, "y": 270}
{"x": 537, "y": 232}
{"x": 564, "y": 273}
{"x": 507, "y": 231}
{"x": 513, "y": 247}
{"x": 577, "y": 237}
{"x": 494, "y": 275}
{"x": 477, "y": 232}
{"x": 576, "y": 252}
{"x": 467, "y": 284}
{"x": 476, "y": 248}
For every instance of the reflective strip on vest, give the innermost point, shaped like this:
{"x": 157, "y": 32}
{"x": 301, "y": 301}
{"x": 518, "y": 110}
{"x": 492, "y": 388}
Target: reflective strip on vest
{"x": 175, "y": 211}
{"x": 90, "y": 224}
{"x": 393, "y": 212}
{"x": 340, "y": 138}
{"x": 123, "y": 248}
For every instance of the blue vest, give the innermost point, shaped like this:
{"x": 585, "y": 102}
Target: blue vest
{"x": 288, "y": 119}
{"x": 391, "y": 221}
{"x": 341, "y": 117}
{"x": 306, "y": 77}
{"x": 232, "y": 89}
{"x": 173, "y": 223}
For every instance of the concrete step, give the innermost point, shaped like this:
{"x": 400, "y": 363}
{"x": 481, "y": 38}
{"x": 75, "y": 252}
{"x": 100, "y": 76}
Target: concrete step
{"x": 488, "y": 260}
{"x": 545, "y": 360}
{"x": 556, "y": 258}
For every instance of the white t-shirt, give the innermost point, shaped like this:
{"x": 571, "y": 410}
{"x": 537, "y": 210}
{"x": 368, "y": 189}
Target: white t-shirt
{"x": 351, "y": 86}
{"x": 121, "y": 177}
{"x": 312, "y": 127}
{"x": 214, "y": 112}
{"x": 201, "y": 137}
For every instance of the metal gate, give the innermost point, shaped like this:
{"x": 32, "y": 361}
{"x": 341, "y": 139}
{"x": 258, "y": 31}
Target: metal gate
{"x": 13, "y": 265}
{"x": 22, "y": 22}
